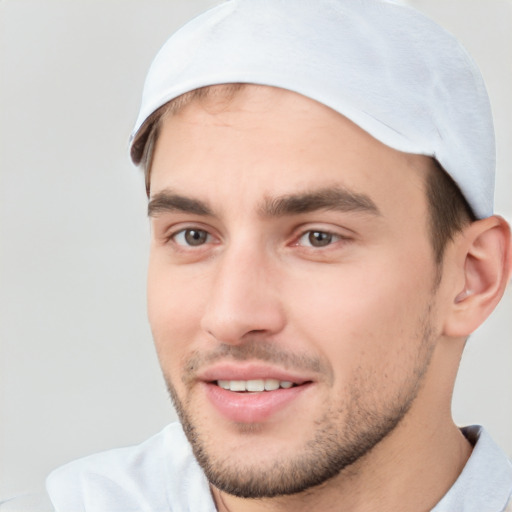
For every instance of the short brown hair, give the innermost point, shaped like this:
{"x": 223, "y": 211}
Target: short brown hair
{"x": 448, "y": 208}
{"x": 144, "y": 145}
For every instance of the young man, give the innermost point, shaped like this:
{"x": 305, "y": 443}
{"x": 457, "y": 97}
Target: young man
{"x": 320, "y": 182}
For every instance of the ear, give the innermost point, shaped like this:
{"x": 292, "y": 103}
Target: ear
{"x": 484, "y": 260}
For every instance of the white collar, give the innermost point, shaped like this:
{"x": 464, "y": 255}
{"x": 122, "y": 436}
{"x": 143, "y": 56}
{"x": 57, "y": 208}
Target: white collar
{"x": 485, "y": 483}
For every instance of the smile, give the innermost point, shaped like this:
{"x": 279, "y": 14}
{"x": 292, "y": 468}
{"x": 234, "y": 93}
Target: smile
{"x": 254, "y": 392}
{"x": 255, "y": 385}
{"x": 254, "y": 400}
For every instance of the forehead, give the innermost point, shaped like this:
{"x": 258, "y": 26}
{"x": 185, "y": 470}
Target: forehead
{"x": 277, "y": 141}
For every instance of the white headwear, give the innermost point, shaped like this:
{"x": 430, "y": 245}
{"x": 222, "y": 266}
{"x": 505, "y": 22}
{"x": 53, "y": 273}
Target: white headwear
{"x": 392, "y": 71}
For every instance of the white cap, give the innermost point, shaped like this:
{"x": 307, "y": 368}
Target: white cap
{"x": 391, "y": 70}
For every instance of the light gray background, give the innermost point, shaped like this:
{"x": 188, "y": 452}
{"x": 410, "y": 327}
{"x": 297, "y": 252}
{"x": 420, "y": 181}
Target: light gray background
{"x": 77, "y": 368}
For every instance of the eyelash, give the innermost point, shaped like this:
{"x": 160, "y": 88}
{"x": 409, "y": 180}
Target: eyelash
{"x": 329, "y": 236}
{"x": 173, "y": 237}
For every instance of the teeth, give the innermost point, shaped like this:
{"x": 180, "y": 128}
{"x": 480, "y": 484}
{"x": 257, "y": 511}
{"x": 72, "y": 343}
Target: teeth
{"x": 256, "y": 385}
{"x": 237, "y": 385}
{"x": 271, "y": 384}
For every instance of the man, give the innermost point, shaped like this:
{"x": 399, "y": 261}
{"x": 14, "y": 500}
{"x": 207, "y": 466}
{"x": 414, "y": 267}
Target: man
{"x": 320, "y": 181}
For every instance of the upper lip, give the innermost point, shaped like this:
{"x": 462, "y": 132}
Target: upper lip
{"x": 250, "y": 371}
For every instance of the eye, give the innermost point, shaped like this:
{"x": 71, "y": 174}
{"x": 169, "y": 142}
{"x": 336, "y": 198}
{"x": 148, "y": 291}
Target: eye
{"x": 317, "y": 238}
{"x": 191, "y": 237}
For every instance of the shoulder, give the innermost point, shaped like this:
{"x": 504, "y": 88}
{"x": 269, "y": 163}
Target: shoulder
{"x": 485, "y": 482}
{"x": 149, "y": 476}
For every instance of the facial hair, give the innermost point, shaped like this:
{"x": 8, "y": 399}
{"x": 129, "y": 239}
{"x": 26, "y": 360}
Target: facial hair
{"x": 348, "y": 430}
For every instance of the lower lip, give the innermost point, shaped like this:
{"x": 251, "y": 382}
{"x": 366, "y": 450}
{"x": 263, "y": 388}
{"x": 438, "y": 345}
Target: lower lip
{"x": 252, "y": 407}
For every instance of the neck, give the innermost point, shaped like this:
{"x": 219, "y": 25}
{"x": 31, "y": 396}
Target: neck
{"x": 408, "y": 471}
{"x": 410, "y": 477}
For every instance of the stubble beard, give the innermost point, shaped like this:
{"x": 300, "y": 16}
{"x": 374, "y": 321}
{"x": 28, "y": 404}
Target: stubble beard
{"x": 346, "y": 433}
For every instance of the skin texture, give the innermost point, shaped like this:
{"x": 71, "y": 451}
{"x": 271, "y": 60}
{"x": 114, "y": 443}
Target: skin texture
{"x": 363, "y": 320}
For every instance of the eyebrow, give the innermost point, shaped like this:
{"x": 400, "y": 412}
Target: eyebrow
{"x": 333, "y": 199}
{"x": 167, "y": 201}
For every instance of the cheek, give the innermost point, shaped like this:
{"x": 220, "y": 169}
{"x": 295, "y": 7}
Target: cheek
{"x": 174, "y": 311}
{"x": 364, "y": 318}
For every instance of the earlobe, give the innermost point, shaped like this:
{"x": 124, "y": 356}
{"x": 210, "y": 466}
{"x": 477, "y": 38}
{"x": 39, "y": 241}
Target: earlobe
{"x": 485, "y": 256}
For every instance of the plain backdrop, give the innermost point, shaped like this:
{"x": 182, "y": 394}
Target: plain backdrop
{"x": 77, "y": 368}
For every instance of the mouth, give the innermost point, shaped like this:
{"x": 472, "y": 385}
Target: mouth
{"x": 254, "y": 385}
{"x": 251, "y": 395}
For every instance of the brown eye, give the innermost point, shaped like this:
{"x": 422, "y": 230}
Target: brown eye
{"x": 191, "y": 237}
{"x": 318, "y": 238}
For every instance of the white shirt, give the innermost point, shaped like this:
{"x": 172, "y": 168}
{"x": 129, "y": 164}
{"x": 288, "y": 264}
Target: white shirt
{"x": 162, "y": 475}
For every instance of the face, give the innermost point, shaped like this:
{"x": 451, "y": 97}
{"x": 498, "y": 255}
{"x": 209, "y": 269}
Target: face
{"x": 291, "y": 287}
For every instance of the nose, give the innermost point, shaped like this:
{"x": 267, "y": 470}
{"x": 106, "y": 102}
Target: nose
{"x": 244, "y": 298}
